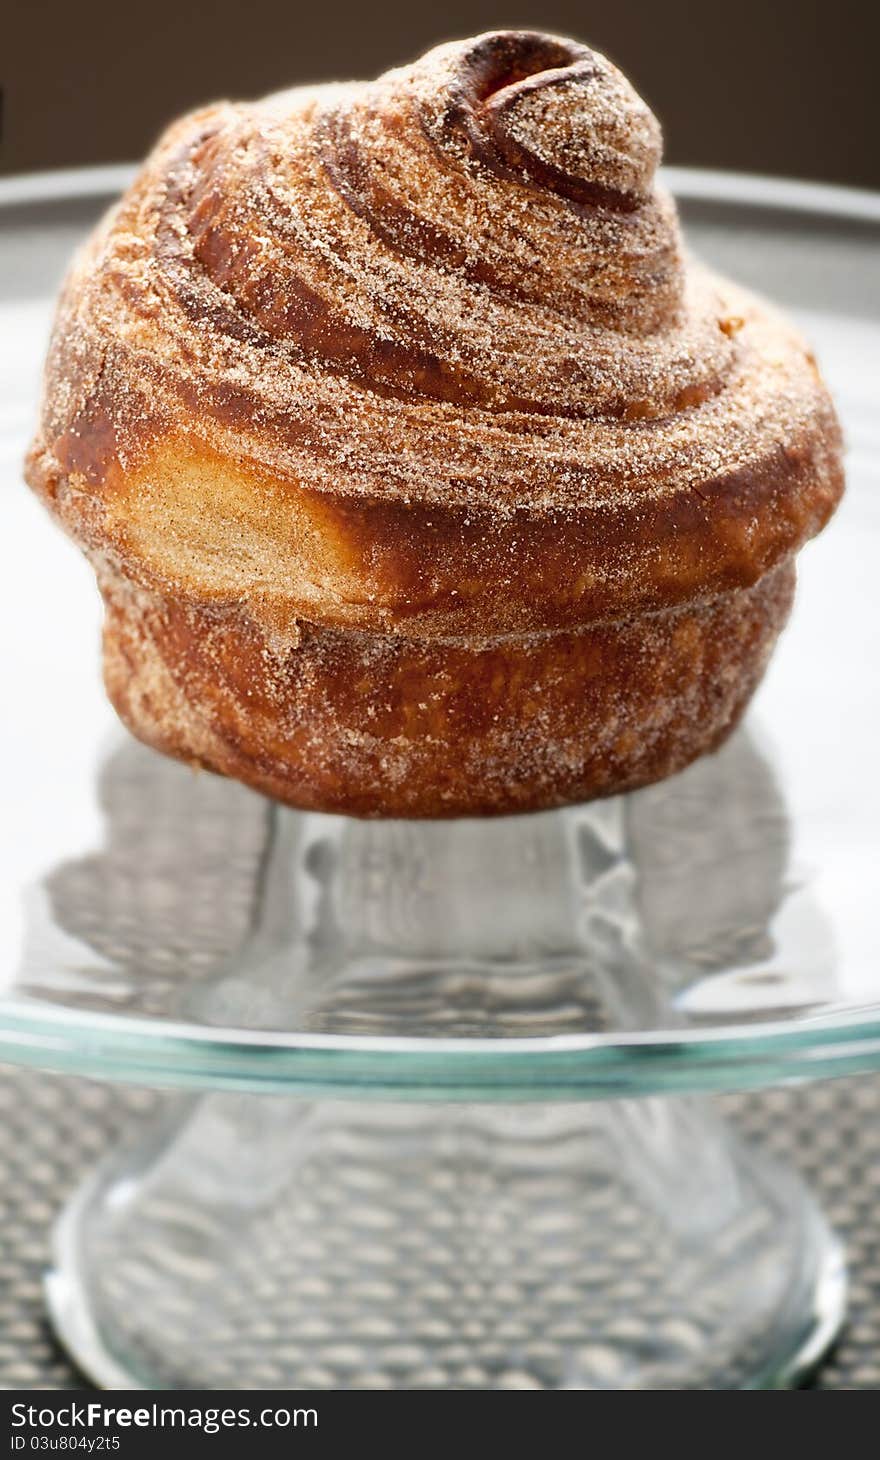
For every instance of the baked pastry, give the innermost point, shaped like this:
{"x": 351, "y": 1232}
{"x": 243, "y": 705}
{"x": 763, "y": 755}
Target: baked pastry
{"x": 422, "y": 472}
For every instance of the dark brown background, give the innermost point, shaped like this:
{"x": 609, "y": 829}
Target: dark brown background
{"x": 771, "y": 86}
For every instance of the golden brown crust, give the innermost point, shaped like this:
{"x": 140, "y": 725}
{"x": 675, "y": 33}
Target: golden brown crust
{"x": 406, "y": 370}
{"x": 380, "y": 725}
{"x": 206, "y": 526}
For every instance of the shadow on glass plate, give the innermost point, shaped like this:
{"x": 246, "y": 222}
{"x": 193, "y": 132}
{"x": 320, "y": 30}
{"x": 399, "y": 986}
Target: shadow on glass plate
{"x": 671, "y": 907}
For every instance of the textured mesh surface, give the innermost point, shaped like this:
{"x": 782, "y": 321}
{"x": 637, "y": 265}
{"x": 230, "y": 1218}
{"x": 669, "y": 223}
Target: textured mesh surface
{"x": 52, "y": 1130}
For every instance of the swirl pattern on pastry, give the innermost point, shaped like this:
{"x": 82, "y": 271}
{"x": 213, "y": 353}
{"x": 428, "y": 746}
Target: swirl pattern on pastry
{"x": 426, "y": 357}
{"x": 457, "y": 288}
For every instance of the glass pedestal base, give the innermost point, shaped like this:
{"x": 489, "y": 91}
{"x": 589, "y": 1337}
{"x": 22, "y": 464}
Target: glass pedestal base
{"x": 254, "y": 1242}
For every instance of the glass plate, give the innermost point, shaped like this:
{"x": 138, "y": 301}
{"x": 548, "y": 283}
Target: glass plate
{"x": 718, "y": 930}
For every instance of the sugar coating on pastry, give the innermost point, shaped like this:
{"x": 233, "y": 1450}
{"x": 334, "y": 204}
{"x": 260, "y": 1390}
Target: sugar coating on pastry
{"x": 409, "y": 377}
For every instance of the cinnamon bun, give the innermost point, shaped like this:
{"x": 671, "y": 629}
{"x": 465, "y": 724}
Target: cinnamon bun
{"x": 422, "y": 471}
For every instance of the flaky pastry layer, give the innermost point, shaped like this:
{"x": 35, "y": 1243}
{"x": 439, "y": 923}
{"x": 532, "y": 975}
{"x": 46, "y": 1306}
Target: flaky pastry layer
{"x": 411, "y": 385}
{"x": 379, "y": 725}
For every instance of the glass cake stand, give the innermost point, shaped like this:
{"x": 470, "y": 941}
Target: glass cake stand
{"x": 442, "y": 1116}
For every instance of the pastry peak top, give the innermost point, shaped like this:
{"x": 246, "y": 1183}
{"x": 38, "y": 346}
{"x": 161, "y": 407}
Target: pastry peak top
{"x": 457, "y": 284}
{"x": 539, "y": 109}
{"x": 516, "y": 161}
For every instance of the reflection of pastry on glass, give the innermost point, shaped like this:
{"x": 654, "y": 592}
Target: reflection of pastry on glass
{"x": 161, "y": 904}
{"x": 637, "y": 912}
{"x": 422, "y": 472}
{"x": 728, "y": 919}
